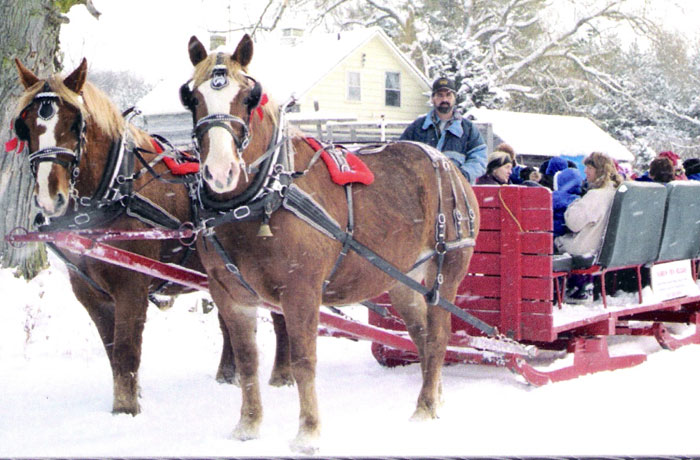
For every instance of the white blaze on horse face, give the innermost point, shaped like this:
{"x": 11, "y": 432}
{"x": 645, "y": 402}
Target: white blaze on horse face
{"x": 47, "y": 139}
{"x": 222, "y": 158}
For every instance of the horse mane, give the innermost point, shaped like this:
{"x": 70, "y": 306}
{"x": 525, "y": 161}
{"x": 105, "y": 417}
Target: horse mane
{"x": 93, "y": 104}
{"x": 203, "y": 70}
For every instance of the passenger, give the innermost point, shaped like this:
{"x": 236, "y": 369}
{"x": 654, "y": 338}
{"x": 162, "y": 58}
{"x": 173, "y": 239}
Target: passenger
{"x": 515, "y": 172}
{"x": 530, "y": 176}
{"x": 661, "y": 170}
{"x": 692, "y": 168}
{"x": 498, "y": 169}
{"x": 679, "y": 173}
{"x": 624, "y": 169}
{"x": 587, "y": 216}
{"x": 549, "y": 168}
{"x": 445, "y": 129}
{"x": 567, "y": 189}
{"x": 677, "y": 165}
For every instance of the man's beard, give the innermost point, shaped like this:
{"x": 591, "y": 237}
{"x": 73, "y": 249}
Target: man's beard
{"x": 444, "y": 107}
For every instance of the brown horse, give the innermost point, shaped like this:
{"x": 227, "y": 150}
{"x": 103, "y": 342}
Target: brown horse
{"x": 83, "y": 162}
{"x": 296, "y": 267}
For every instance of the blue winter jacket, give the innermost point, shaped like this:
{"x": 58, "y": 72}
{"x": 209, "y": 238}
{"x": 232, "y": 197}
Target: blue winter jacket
{"x": 695, "y": 176}
{"x": 567, "y": 189}
{"x": 461, "y": 142}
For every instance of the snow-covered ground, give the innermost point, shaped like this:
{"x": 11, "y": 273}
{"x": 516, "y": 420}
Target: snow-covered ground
{"x": 56, "y": 395}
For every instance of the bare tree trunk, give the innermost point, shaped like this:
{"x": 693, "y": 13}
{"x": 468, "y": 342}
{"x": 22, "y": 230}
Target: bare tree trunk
{"x": 29, "y": 31}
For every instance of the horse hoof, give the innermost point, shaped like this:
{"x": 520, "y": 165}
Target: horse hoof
{"x": 422, "y": 414}
{"x": 246, "y": 432}
{"x": 228, "y": 375}
{"x": 281, "y": 379}
{"x": 132, "y": 410}
{"x": 304, "y": 445}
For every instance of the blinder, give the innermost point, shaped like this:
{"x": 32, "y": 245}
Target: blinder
{"x": 186, "y": 97}
{"x": 252, "y": 100}
{"x": 21, "y": 129}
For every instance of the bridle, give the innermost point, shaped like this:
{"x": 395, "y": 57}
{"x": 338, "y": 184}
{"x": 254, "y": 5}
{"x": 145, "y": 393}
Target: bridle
{"x": 46, "y": 99}
{"x": 219, "y": 80}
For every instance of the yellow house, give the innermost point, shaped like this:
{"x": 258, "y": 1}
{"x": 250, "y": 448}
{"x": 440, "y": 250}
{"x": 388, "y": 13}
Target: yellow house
{"x": 359, "y": 75}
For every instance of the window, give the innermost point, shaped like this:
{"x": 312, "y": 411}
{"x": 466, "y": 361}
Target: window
{"x": 354, "y": 88}
{"x": 392, "y": 89}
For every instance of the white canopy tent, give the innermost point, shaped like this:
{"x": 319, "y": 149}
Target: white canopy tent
{"x": 533, "y": 134}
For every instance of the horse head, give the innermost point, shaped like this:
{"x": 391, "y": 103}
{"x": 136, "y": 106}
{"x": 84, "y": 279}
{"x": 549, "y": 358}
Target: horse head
{"x": 52, "y": 121}
{"x": 222, "y": 98}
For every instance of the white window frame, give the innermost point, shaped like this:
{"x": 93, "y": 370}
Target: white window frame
{"x": 387, "y": 89}
{"x": 348, "y": 95}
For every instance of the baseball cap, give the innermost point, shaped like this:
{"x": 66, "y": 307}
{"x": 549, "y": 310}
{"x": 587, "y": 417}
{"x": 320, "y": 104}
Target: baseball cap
{"x": 443, "y": 83}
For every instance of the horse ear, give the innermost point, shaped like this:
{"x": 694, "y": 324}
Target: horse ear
{"x": 76, "y": 79}
{"x": 197, "y": 51}
{"x": 244, "y": 51}
{"x": 26, "y": 76}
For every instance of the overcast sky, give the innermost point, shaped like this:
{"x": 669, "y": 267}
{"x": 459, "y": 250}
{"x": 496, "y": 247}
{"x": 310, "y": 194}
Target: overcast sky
{"x": 149, "y": 37}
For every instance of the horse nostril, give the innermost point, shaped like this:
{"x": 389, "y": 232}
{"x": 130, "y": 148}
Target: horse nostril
{"x": 207, "y": 173}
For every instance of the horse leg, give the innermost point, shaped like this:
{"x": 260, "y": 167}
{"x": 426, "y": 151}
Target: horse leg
{"x": 438, "y": 334}
{"x": 131, "y": 301}
{"x": 227, "y": 365}
{"x": 241, "y": 322}
{"x": 101, "y": 311}
{"x": 301, "y": 309}
{"x": 412, "y": 308}
{"x": 282, "y": 369}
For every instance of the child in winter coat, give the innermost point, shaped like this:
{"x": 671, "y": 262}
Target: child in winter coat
{"x": 567, "y": 188}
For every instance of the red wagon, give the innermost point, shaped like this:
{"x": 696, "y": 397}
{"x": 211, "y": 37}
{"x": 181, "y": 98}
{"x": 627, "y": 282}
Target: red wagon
{"x": 514, "y": 280}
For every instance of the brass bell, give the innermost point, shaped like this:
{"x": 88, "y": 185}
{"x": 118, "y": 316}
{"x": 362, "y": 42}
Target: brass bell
{"x": 264, "y": 230}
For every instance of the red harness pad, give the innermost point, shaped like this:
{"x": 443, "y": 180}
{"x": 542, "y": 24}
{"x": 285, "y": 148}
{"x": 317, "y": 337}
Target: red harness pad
{"x": 178, "y": 168}
{"x": 359, "y": 172}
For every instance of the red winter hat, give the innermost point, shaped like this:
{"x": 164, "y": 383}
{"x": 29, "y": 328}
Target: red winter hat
{"x": 675, "y": 159}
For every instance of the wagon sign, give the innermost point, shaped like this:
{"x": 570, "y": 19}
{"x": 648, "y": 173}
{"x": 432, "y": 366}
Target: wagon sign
{"x": 672, "y": 280}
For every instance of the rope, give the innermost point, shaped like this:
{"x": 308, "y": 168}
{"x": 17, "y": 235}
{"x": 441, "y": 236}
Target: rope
{"x": 505, "y": 206}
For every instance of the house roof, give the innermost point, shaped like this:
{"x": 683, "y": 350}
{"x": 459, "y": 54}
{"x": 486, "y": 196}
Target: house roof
{"x": 285, "y": 68}
{"x": 297, "y": 68}
{"x": 551, "y": 135}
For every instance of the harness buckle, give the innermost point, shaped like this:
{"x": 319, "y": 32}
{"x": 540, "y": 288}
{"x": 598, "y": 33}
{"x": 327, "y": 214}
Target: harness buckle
{"x": 205, "y": 228}
{"x": 84, "y": 201}
{"x": 232, "y": 268}
{"x": 81, "y": 219}
{"x": 440, "y": 248}
{"x": 241, "y": 212}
